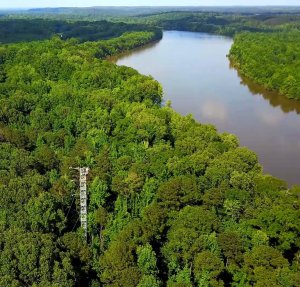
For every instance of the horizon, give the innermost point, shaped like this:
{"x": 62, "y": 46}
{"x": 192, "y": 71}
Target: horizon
{"x": 31, "y": 4}
{"x": 152, "y": 6}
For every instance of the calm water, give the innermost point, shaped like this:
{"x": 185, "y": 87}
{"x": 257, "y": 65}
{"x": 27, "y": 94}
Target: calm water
{"x": 197, "y": 78}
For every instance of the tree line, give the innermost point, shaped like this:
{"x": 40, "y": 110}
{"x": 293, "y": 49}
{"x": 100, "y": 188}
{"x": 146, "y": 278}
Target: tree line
{"x": 18, "y": 30}
{"x": 271, "y": 60}
{"x": 222, "y": 23}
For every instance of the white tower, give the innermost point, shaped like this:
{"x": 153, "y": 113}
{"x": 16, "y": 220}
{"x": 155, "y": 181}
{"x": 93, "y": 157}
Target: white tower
{"x": 83, "y": 198}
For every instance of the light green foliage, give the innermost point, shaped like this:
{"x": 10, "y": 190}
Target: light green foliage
{"x": 260, "y": 238}
{"x": 181, "y": 279}
{"x": 99, "y": 193}
{"x": 148, "y": 281}
{"x": 271, "y": 60}
{"x": 44, "y": 214}
{"x": 147, "y": 265}
{"x": 146, "y": 259}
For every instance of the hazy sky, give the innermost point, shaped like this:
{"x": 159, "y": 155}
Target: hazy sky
{"x": 86, "y": 3}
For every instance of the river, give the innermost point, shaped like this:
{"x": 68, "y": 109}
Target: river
{"x": 197, "y": 77}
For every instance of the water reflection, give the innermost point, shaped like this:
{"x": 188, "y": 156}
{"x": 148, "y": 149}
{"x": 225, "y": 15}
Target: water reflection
{"x": 270, "y": 118}
{"x": 136, "y": 51}
{"x": 214, "y": 110}
{"x": 274, "y": 99}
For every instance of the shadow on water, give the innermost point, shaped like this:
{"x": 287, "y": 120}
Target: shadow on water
{"x": 274, "y": 98}
{"x": 136, "y": 51}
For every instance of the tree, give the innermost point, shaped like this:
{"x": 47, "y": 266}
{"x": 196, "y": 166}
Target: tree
{"x": 147, "y": 265}
{"x": 207, "y": 268}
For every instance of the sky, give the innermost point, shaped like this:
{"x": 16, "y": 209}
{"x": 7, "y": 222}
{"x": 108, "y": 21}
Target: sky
{"x": 87, "y": 3}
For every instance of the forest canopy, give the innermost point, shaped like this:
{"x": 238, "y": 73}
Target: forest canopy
{"x": 272, "y": 60}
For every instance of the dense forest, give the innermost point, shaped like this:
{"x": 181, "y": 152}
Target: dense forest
{"x": 221, "y": 23}
{"x": 218, "y": 20}
{"x": 216, "y": 23}
{"x": 272, "y": 60}
{"x": 171, "y": 201}
{"x": 17, "y": 30}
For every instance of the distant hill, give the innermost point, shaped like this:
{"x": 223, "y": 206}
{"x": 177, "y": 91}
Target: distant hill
{"x": 104, "y": 12}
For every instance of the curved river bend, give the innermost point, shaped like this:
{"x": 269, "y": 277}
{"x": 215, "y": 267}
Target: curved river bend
{"x": 196, "y": 76}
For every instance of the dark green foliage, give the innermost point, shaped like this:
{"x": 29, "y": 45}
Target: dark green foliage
{"x": 223, "y": 23}
{"x": 171, "y": 201}
{"x": 271, "y": 60}
{"x": 17, "y": 30}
